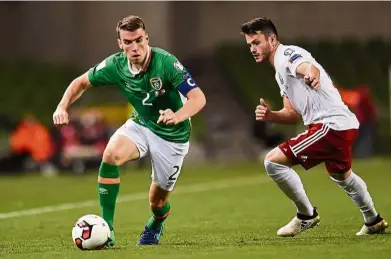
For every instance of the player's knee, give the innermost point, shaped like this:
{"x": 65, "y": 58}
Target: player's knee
{"x": 269, "y": 156}
{"x": 278, "y": 157}
{"x": 112, "y": 157}
{"x": 277, "y": 172}
{"x": 340, "y": 176}
{"x": 268, "y": 166}
{"x": 272, "y": 169}
{"x": 338, "y": 171}
{"x": 274, "y": 156}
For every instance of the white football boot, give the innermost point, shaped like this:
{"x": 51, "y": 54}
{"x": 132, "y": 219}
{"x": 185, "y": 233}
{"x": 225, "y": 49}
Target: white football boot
{"x": 379, "y": 226}
{"x": 299, "y": 225}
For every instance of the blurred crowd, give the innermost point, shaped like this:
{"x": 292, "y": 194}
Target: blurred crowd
{"x": 360, "y": 101}
{"x": 78, "y": 146}
{"x": 75, "y": 147}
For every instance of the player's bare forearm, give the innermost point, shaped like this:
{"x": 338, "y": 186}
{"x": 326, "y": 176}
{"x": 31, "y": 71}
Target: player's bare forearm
{"x": 196, "y": 101}
{"x": 284, "y": 116}
{"x": 74, "y": 91}
{"x": 305, "y": 68}
{"x": 287, "y": 115}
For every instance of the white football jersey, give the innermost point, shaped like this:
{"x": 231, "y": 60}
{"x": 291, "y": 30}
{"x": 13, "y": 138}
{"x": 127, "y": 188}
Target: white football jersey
{"x": 315, "y": 106}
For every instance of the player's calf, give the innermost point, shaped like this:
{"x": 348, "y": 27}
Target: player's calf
{"x": 159, "y": 215}
{"x": 108, "y": 189}
{"x": 160, "y": 208}
{"x": 290, "y": 183}
{"x": 356, "y": 189}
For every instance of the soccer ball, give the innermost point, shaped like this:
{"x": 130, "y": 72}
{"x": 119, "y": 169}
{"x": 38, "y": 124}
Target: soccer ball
{"x": 90, "y": 232}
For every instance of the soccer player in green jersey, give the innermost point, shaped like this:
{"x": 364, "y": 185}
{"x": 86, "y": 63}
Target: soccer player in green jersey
{"x": 164, "y": 97}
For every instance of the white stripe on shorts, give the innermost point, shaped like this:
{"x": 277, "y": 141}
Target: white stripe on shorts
{"x": 309, "y": 141}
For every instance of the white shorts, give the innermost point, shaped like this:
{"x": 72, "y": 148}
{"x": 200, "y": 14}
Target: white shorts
{"x": 166, "y": 157}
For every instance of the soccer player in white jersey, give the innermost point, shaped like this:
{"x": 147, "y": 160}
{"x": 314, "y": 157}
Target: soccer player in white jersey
{"x": 309, "y": 93}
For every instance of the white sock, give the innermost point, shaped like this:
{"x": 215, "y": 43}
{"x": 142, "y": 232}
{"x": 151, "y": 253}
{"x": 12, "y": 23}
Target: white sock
{"x": 290, "y": 183}
{"x": 356, "y": 188}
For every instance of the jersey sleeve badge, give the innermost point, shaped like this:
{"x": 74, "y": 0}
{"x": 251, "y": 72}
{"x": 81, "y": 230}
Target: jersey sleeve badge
{"x": 178, "y": 66}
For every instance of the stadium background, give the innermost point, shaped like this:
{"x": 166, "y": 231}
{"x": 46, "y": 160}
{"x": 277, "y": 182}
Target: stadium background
{"x": 44, "y": 45}
{"x": 47, "y": 44}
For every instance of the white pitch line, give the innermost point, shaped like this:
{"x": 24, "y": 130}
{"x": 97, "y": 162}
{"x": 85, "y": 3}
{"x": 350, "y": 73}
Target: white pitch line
{"x": 202, "y": 187}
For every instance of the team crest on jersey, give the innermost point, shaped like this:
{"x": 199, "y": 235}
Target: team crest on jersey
{"x": 178, "y": 66}
{"x": 156, "y": 83}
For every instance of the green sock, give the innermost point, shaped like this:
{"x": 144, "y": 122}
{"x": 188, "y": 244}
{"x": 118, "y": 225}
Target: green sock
{"x": 159, "y": 216}
{"x": 108, "y": 192}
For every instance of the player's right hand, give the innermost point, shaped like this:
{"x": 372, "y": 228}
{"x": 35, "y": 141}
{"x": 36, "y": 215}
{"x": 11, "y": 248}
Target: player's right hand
{"x": 312, "y": 77}
{"x": 60, "y": 117}
{"x": 262, "y": 111}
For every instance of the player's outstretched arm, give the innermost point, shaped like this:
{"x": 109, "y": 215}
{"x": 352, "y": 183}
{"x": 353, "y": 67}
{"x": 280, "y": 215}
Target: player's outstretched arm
{"x": 287, "y": 115}
{"x": 195, "y": 102}
{"x": 72, "y": 93}
{"x": 310, "y": 73}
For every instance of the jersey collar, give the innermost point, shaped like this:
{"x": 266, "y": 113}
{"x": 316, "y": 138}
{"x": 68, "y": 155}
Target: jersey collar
{"x": 149, "y": 56}
{"x": 148, "y": 60}
{"x": 278, "y": 50}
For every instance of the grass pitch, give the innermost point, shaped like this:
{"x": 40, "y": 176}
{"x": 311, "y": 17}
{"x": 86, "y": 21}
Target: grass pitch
{"x": 218, "y": 211}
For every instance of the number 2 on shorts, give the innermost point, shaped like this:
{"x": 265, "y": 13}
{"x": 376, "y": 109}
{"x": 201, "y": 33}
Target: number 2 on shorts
{"x": 173, "y": 176}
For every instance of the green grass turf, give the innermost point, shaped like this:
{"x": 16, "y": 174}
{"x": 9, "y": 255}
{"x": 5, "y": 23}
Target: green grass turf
{"x": 218, "y": 211}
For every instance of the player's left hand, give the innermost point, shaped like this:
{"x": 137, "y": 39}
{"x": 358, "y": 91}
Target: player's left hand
{"x": 312, "y": 77}
{"x": 168, "y": 117}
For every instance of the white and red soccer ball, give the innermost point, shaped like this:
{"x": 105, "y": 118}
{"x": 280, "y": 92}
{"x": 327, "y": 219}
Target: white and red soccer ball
{"x": 90, "y": 232}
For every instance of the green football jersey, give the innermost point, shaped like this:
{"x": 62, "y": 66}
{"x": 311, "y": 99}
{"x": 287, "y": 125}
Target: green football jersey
{"x": 154, "y": 88}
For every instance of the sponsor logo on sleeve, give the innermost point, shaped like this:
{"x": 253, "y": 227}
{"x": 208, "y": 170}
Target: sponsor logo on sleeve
{"x": 295, "y": 57}
{"x": 178, "y": 66}
{"x": 186, "y": 76}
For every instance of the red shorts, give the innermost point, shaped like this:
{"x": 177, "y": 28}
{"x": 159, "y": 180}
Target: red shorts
{"x": 320, "y": 143}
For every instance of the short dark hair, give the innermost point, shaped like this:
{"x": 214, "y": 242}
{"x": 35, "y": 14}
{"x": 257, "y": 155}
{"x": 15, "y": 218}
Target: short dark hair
{"x": 130, "y": 23}
{"x": 262, "y": 24}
